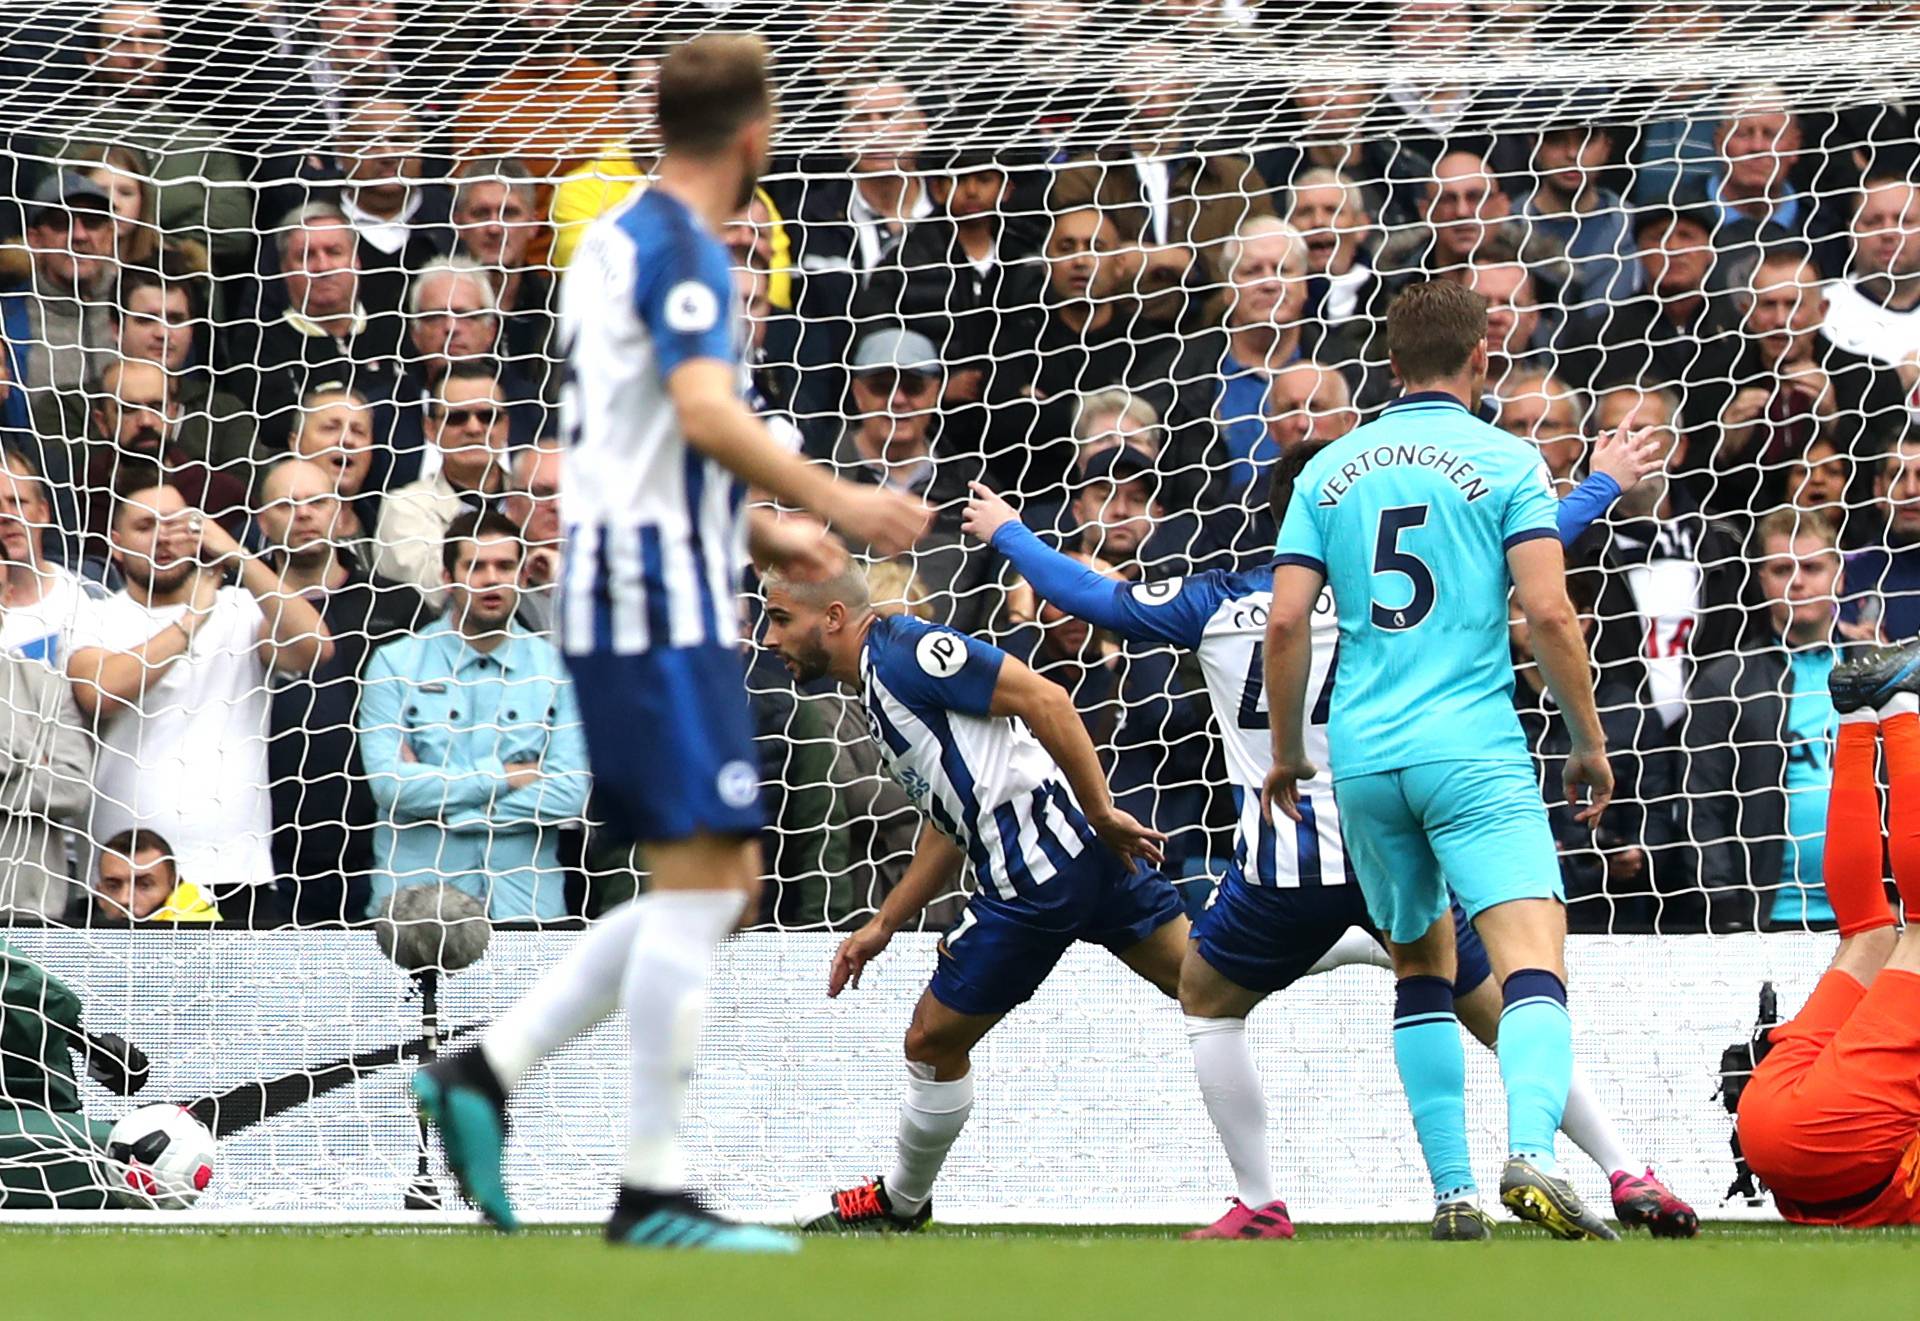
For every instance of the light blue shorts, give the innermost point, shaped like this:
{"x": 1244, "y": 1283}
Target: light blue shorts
{"x": 1477, "y": 826}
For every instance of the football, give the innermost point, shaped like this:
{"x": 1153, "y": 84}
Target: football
{"x": 161, "y": 1158}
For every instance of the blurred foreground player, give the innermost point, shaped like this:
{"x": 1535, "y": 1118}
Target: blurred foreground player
{"x": 1830, "y": 1120}
{"x": 1287, "y": 907}
{"x": 1421, "y": 522}
{"x": 997, "y": 759}
{"x": 661, "y": 451}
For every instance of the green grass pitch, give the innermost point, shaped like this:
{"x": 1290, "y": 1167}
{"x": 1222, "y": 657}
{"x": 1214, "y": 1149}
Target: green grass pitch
{"x": 1048, "y": 1273}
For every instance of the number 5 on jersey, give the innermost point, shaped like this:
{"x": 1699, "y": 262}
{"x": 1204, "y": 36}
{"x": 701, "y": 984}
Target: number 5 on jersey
{"x": 1389, "y": 558}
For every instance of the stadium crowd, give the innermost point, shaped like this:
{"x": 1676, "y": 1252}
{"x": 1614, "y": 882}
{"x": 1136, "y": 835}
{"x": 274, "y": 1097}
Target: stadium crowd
{"x": 281, "y": 404}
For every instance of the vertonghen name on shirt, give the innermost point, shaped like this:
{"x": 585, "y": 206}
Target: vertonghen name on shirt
{"x": 1457, "y": 470}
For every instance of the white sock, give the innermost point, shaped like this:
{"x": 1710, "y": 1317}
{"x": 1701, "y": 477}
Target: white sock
{"x": 1230, "y": 1086}
{"x": 576, "y": 993}
{"x": 931, "y": 1117}
{"x": 1587, "y": 1122}
{"x": 1356, "y": 946}
{"x": 1900, "y": 704}
{"x": 665, "y": 995}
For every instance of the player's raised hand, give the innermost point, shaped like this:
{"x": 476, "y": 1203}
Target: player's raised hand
{"x": 1591, "y": 771}
{"x": 1127, "y": 837}
{"x": 986, "y": 513}
{"x": 1281, "y": 792}
{"x": 886, "y": 521}
{"x": 798, "y": 546}
{"x": 1629, "y": 456}
{"x": 855, "y": 952}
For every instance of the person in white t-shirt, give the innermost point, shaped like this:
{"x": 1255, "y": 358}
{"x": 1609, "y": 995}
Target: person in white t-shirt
{"x": 173, "y": 673}
{"x": 1875, "y": 310}
{"x": 41, "y": 601}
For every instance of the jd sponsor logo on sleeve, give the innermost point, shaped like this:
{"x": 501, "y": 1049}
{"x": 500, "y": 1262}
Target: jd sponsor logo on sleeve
{"x": 691, "y": 308}
{"x": 941, "y": 654}
{"x": 1157, "y": 593}
{"x": 738, "y": 783}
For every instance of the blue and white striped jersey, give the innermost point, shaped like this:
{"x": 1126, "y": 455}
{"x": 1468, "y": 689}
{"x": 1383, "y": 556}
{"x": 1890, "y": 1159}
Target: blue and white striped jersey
{"x": 656, "y": 532}
{"x": 984, "y": 780}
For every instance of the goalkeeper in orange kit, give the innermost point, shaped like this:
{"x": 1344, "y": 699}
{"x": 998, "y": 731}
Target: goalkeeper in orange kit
{"x": 1831, "y": 1118}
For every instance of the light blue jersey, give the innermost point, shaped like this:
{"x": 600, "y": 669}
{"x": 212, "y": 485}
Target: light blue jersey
{"x": 1410, "y": 518}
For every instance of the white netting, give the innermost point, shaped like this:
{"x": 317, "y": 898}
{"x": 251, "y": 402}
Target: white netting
{"x": 333, "y": 229}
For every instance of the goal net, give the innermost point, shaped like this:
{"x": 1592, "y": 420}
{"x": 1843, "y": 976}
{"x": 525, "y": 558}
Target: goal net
{"x": 277, "y": 293}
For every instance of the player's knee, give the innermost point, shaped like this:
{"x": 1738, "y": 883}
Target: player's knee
{"x": 925, "y": 1045}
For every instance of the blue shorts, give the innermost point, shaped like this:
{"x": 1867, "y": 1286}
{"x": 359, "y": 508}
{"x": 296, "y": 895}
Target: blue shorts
{"x": 670, "y": 738}
{"x": 995, "y": 957}
{"x": 1479, "y": 827}
{"x": 1265, "y": 938}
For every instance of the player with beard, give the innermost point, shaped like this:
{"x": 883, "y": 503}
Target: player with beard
{"x": 661, "y": 451}
{"x": 998, "y": 760}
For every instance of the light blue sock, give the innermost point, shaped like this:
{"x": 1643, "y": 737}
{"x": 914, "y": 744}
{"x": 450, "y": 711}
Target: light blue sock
{"x": 1536, "y": 1062}
{"x": 1433, "y": 1070}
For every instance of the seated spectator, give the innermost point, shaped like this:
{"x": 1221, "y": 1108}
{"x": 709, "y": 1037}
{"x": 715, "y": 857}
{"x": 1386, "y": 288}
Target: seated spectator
{"x": 1520, "y": 329}
{"x": 465, "y": 467}
{"x": 1670, "y": 576}
{"x": 1175, "y": 202}
{"x": 1115, "y": 416}
{"x": 1218, "y": 421}
{"x": 533, "y": 503}
{"x": 1760, "y": 731}
{"x": 173, "y": 671}
{"x": 1884, "y": 578}
{"x": 1537, "y": 406}
{"x": 125, "y": 175}
{"x": 52, "y": 342}
{"x": 1817, "y": 483}
{"x": 1070, "y": 652}
{"x": 1789, "y": 384}
{"x": 1586, "y": 219}
{"x": 953, "y": 273}
{"x": 336, "y": 432}
{"x": 452, "y": 319}
{"x": 1330, "y": 211}
{"x": 323, "y": 333}
{"x": 43, "y": 599}
{"x": 322, "y": 810}
{"x": 472, "y": 744}
{"x": 1677, "y": 334}
{"x": 1116, "y": 515}
{"x": 1307, "y": 402}
{"x": 1080, "y": 334}
{"x": 851, "y": 221}
{"x": 894, "y": 380}
{"x": 1462, "y": 206}
{"x": 135, "y": 425}
{"x": 1875, "y": 309}
{"x": 1758, "y": 145}
{"x": 155, "y": 319}
{"x": 399, "y": 219}
{"x": 137, "y": 880}
{"x": 46, "y": 782}
{"x": 127, "y": 94}
{"x": 496, "y": 215}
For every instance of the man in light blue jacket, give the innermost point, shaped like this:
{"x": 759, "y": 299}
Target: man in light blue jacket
{"x": 471, "y": 740}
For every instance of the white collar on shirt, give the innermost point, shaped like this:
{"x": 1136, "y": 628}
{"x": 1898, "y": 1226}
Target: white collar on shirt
{"x": 387, "y": 235}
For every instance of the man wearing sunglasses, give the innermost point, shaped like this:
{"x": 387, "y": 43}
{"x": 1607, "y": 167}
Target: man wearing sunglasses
{"x": 464, "y": 468}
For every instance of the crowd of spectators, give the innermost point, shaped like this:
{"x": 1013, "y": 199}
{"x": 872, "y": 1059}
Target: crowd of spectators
{"x": 281, "y": 399}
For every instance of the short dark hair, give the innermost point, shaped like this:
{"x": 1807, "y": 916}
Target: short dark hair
{"x": 710, "y": 88}
{"x": 1433, "y": 327}
{"x": 132, "y": 843}
{"x": 133, "y": 476}
{"x": 471, "y": 526}
{"x": 1286, "y": 472}
{"x": 464, "y": 371}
